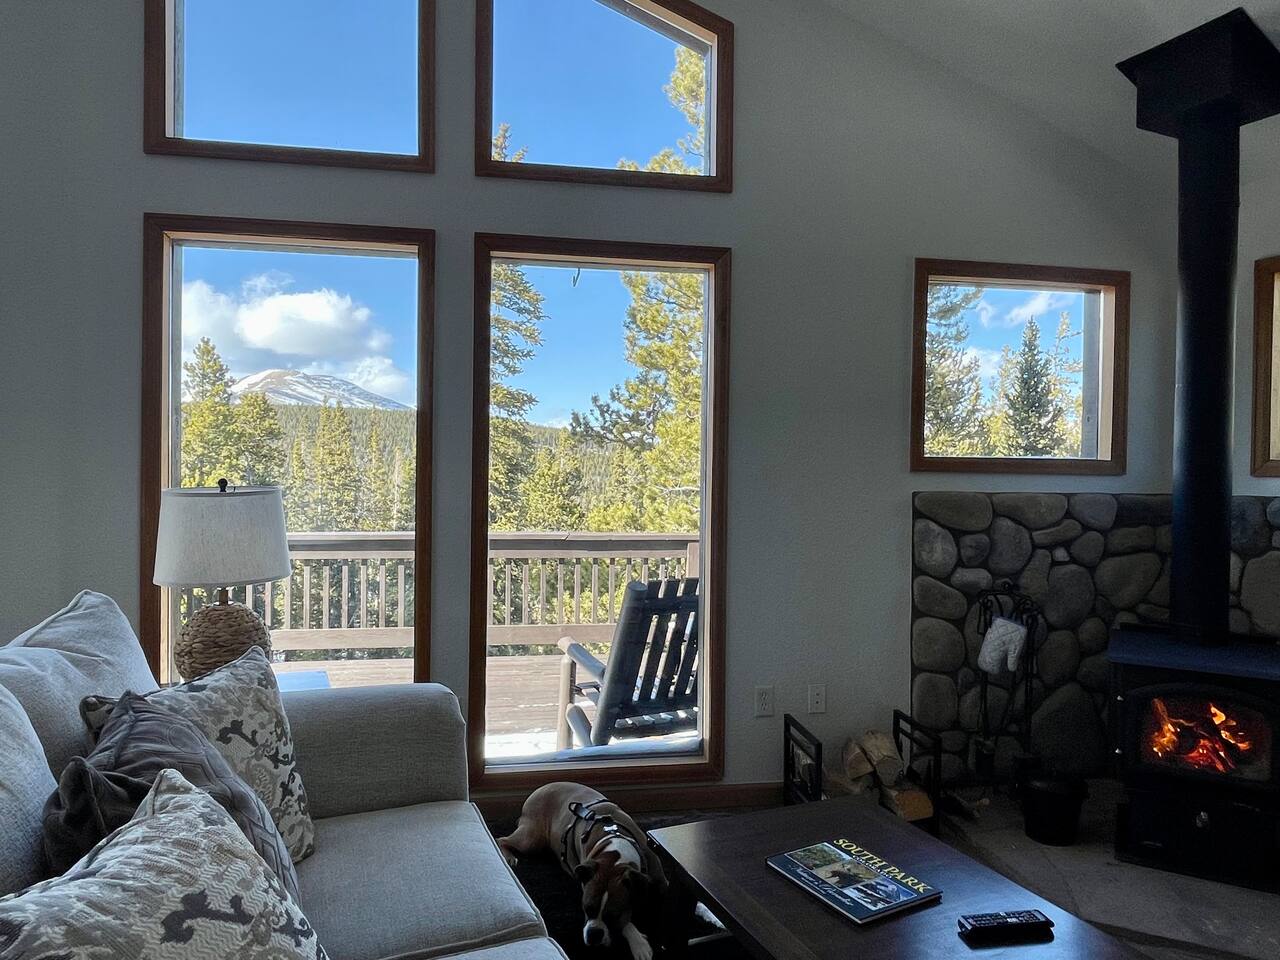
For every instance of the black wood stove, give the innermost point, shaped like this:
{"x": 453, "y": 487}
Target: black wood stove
{"x": 1198, "y": 746}
{"x": 1195, "y": 709}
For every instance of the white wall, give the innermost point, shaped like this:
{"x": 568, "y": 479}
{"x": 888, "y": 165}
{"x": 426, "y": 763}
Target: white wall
{"x": 852, "y": 158}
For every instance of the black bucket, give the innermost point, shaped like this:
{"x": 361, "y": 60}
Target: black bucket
{"x": 1051, "y": 810}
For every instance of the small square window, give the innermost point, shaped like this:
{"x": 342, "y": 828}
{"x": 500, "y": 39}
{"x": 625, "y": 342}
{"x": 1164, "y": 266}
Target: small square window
{"x": 622, "y": 92}
{"x": 1019, "y": 369}
{"x": 332, "y": 82}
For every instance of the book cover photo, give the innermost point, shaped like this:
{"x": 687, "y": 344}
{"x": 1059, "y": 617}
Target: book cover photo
{"x": 853, "y": 880}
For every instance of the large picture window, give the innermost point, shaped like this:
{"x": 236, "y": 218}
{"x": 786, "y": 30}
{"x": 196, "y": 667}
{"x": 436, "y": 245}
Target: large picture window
{"x": 333, "y": 82}
{"x": 298, "y": 355}
{"x": 1266, "y": 369}
{"x": 623, "y": 92}
{"x": 598, "y": 508}
{"x": 1018, "y": 368}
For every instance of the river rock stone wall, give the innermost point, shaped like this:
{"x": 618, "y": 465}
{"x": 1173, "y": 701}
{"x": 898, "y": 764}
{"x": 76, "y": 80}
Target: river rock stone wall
{"x": 1091, "y": 561}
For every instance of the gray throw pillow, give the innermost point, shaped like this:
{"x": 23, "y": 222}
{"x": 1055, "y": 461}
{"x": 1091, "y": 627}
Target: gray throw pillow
{"x": 25, "y": 782}
{"x": 87, "y": 647}
{"x": 238, "y": 708}
{"x": 177, "y": 881}
{"x": 98, "y": 793}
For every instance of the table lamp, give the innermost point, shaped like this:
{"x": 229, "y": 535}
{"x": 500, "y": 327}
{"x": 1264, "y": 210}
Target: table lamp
{"x": 220, "y": 537}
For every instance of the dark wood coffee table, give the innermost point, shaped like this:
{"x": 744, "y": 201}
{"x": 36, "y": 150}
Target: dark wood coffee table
{"x": 722, "y": 863}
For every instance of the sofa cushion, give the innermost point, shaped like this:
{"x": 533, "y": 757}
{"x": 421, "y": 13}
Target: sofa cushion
{"x": 238, "y": 708}
{"x": 25, "y": 783}
{"x": 86, "y": 647}
{"x": 412, "y": 882}
{"x": 177, "y": 881}
{"x": 99, "y": 793}
{"x": 535, "y": 948}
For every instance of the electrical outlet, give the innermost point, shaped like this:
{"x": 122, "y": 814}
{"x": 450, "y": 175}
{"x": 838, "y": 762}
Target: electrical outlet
{"x": 817, "y": 698}
{"x": 764, "y": 701}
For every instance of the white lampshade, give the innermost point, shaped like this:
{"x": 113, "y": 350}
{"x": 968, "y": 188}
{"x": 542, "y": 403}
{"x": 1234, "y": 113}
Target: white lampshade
{"x": 208, "y": 538}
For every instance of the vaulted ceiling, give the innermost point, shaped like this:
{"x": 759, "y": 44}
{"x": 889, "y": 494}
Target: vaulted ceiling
{"x": 1056, "y": 59}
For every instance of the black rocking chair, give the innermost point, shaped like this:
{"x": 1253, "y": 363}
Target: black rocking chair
{"x": 649, "y": 686}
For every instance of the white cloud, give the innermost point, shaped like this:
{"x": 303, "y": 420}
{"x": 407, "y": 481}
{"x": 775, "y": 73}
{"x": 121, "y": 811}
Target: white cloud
{"x": 266, "y": 325}
{"x": 318, "y": 323}
{"x": 1037, "y": 305}
{"x": 986, "y": 312}
{"x": 988, "y": 361}
{"x": 381, "y": 376}
{"x": 265, "y": 283}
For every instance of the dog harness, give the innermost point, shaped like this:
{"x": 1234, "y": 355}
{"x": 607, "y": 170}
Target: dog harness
{"x": 586, "y": 819}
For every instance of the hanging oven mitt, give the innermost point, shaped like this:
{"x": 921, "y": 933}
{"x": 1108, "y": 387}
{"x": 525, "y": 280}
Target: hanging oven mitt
{"x": 1002, "y": 645}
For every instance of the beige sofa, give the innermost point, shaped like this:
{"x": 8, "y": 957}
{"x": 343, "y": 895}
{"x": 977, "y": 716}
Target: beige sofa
{"x": 404, "y": 866}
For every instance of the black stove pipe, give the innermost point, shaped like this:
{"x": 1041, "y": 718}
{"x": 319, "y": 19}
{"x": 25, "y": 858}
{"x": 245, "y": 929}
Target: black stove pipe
{"x": 1208, "y": 214}
{"x": 1200, "y": 88}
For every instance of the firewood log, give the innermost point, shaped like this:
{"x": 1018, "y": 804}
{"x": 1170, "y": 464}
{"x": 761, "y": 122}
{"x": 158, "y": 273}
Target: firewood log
{"x": 907, "y": 801}
{"x": 886, "y": 762}
{"x": 856, "y": 764}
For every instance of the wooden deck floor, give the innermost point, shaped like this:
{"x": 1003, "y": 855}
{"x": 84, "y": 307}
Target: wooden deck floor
{"x": 522, "y": 690}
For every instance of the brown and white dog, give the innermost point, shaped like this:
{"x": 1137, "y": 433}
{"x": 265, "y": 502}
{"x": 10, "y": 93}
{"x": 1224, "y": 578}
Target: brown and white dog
{"x": 602, "y": 848}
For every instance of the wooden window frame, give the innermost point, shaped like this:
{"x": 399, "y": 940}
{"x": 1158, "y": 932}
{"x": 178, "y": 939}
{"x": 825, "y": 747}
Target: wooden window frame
{"x": 160, "y": 231}
{"x": 709, "y": 764}
{"x": 720, "y": 103}
{"x": 157, "y": 112}
{"x": 1116, "y": 316}
{"x": 1266, "y": 312}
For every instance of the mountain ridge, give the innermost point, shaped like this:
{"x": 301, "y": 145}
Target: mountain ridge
{"x": 295, "y": 388}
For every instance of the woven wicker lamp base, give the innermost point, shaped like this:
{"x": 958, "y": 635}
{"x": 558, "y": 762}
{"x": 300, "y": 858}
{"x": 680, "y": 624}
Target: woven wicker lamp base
{"x": 215, "y": 635}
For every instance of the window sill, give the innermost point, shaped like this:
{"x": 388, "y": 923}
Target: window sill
{"x": 315, "y": 156}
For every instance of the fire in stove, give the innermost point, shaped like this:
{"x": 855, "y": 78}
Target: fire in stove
{"x": 1196, "y": 734}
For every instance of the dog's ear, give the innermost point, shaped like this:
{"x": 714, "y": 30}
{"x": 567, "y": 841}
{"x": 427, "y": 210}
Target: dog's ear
{"x": 584, "y": 871}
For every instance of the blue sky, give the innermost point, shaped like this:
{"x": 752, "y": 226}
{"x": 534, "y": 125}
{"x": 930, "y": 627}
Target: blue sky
{"x": 579, "y": 84}
{"x": 315, "y": 73}
{"x": 999, "y": 317}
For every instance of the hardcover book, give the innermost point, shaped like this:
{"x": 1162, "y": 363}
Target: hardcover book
{"x": 853, "y": 880}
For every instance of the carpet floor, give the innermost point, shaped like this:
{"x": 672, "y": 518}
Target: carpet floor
{"x": 559, "y": 900}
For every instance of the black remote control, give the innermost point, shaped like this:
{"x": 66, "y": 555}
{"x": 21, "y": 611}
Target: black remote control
{"x": 1014, "y": 926}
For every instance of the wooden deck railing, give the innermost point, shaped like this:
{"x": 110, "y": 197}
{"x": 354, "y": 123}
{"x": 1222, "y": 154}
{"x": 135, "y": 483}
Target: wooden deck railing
{"x": 355, "y": 590}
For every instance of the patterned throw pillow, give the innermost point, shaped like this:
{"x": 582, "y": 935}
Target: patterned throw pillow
{"x": 238, "y": 708}
{"x": 98, "y": 793}
{"x": 177, "y": 881}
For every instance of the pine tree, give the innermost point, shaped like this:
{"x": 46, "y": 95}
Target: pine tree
{"x": 551, "y": 494}
{"x": 298, "y": 487}
{"x": 620, "y": 505}
{"x": 1033, "y": 412}
{"x": 406, "y": 484}
{"x": 1066, "y": 388}
{"x": 335, "y": 483}
{"x": 953, "y": 404}
{"x": 515, "y": 321}
{"x": 502, "y": 146}
{"x": 663, "y": 340}
{"x": 687, "y": 92}
{"x": 376, "y": 495}
{"x": 261, "y": 452}
{"x": 210, "y": 444}
{"x": 995, "y": 412}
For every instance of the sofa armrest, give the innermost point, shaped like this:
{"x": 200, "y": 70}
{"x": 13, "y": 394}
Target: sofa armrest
{"x": 370, "y": 748}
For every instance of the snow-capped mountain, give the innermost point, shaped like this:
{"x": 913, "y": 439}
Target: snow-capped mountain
{"x": 311, "y": 389}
